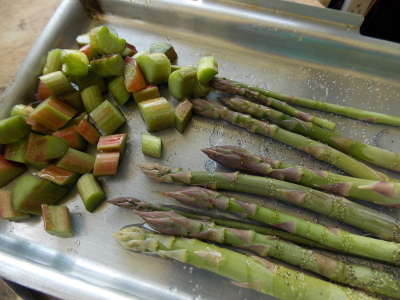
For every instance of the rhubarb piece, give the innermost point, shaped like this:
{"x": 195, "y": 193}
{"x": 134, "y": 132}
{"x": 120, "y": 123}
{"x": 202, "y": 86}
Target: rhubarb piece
{"x": 73, "y": 138}
{"x": 16, "y": 151}
{"x": 20, "y": 110}
{"x": 164, "y": 48}
{"x": 110, "y": 143}
{"x": 130, "y": 50}
{"x": 108, "y": 66}
{"x": 207, "y": 68}
{"x": 74, "y": 63}
{"x": 57, "y": 220}
{"x": 9, "y": 170}
{"x": 6, "y": 209}
{"x": 88, "y": 131}
{"x": 200, "y": 89}
{"x": 155, "y": 67}
{"x": 30, "y": 152}
{"x": 82, "y": 40}
{"x": 89, "y": 51}
{"x": 183, "y": 115}
{"x": 12, "y": 129}
{"x": 140, "y": 53}
{"x": 151, "y": 145}
{"x": 74, "y": 100}
{"x": 43, "y": 92}
{"x": 133, "y": 77}
{"x": 105, "y": 41}
{"x": 106, "y": 163}
{"x": 50, "y": 147}
{"x": 59, "y": 176}
{"x": 53, "y": 61}
{"x": 180, "y": 82}
{"x": 90, "y": 79}
{"x": 76, "y": 161}
{"x": 156, "y": 113}
{"x": 52, "y": 113}
{"x": 107, "y": 117}
{"x": 30, "y": 192}
{"x": 149, "y": 92}
{"x": 57, "y": 83}
{"x": 90, "y": 191}
{"x": 92, "y": 97}
{"x": 118, "y": 89}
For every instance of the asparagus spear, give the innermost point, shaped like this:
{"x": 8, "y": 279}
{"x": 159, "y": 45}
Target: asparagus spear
{"x": 138, "y": 205}
{"x": 226, "y": 86}
{"x": 364, "y": 115}
{"x": 336, "y": 238}
{"x": 378, "y": 156}
{"x": 358, "y": 276}
{"x": 379, "y": 224}
{"x": 380, "y": 192}
{"x": 249, "y": 272}
{"x": 318, "y": 150}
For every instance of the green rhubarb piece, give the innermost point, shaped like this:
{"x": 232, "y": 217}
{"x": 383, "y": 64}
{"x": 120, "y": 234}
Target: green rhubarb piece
{"x": 30, "y": 192}
{"x": 59, "y": 176}
{"x": 155, "y": 67}
{"x": 76, "y": 161}
{"x": 164, "y": 48}
{"x": 207, "y": 68}
{"x": 90, "y": 191}
{"x": 156, "y": 113}
{"x": 151, "y": 145}
{"x": 9, "y": 170}
{"x": 57, "y": 83}
{"x": 20, "y": 110}
{"x": 117, "y": 88}
{"x": 182, "y": 115}
{"x": 133, "y": 77}
{"x": 16, "y": 151}
{"x": 130, "y": 50}
{"x": 74, "y": 100}
{"x": 140, "y": 53}
{"x": 90, "y": 79}
{"x": 149, "y": 92}
{"x": 74, "y": 63}
{"x": 88, "y": 131}
{"x": 107, "y": 117}
{"x": 73, "y": 138}
{"x": 180, "y": 82}
{"x": 92, "y": 97}
{"x": 175, "y": 67}
{"x": 89, "y": 51}
{"x": 106, "y": 41}
{"x": 200, "y": 89}
{"x": 110, "y": 143}
{"x": 52, "y": 113}
{"x": 82, "y": 39}
{"x": 107, "y": 66}
{"x": 57, "y": 220}
{"x": 6, "y": 209}
{"x": 12, "y": 129}
{"x": 30, "y": 152}
{"x": 50, "y": 147}
{"x": 53, "y": 61}
{"x": 106, "y": 163}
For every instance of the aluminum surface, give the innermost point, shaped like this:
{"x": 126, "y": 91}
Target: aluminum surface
{"x": 301, "y": 50}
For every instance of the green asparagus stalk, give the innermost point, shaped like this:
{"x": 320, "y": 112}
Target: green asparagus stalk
{"x": 378, "y": 156}
{"x": 138, "y": 205}
{"x": 358, "y": 276}
{"x": 342, "y": 209}
{"x": 336, "y": 238}
{"x": 380, "y": 192}
{"x": 364, "y": 115}
{"x": 249, "y": 272}
{"x": 227, "y": 86}
{"x": 317, "y": 149}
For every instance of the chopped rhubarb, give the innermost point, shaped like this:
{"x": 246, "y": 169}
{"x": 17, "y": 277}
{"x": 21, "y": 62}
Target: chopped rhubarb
{"x": 21, "y": 110}
{"x": 151, "y": 145}
{"x": 6, "y": 209}
{"x": 165, "y": 48}
{"x": 106, "y": 163}
{"x": 133, "y": 77}
{"x": 90, "y": 191}
{"x": 12, "y": 129}
{"x": 181, "y": 81}
{"x": 207, "y": 68}
{"x": 50, "y": 147}
{"x": 74, "y": 100}
{"x": 59, "y": 176}
{"x": 9, "y": 170}
{"x": 72, "y": 136}
{"x": 57, "y": 83}
{"x": 16, "y": 151}
{"x": 88, "y": 131}
{"x": 92, "y": 97}
{"x": 149, "y": 92}
{"x": 90, "y": 79}
{"x": 107, "y": 117}
{"x": 117, "y": 88}
{"x": 89, "y": 51}
{"x": 110, "y": 143}
{"x": 76, "y": 161}
{"x": 108, "y": 66}
{"x": 53, "y": 62}
{"x": 130, "y": 50}
{"x": 30, "y": 152}
{"x": 74, "y": 63}
{"x": 155, "y": 67}
{"x": 106, "y": 41}
{"x": 156, "y": 113}
{"x": 183, "y": 115}
{"x": 57, "y": 220}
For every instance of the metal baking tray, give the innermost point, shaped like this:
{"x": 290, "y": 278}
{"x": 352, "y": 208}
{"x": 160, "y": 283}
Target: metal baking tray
{"x": 301, "y": 50}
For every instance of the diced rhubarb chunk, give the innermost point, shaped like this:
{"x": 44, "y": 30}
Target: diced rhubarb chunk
{"x": 107, "y": 66}
{"x": 9, "y": 170}
{"x": 57, "y": 220}
{"x": 106, "y": 163}
{"x": 91, "y": 192}
{"x": 12, "y": 129}
{"x": 88, "y": 131}
{"x": 110, "y": 143}
{"x": 16, "y": 151}
{"x": 149, "y": 92}
{"x": 30, "y": 152}
{"x": 183, "y": 115}
{"x": 6, "y": 209}
{"x": 72, "y": 136}
{"x": 133, "y": 77}
{"x": 59, "y": 176}
{"x": 76, "y": 161}
{"x": 50, "y": 147}
{"x": 107, "y": 117}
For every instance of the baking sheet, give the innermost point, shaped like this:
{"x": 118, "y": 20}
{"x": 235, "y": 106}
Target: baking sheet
{"x": 305, "y": 51}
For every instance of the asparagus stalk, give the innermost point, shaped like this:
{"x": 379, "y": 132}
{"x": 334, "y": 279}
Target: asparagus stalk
{"x": 336, "y": 238}
{"x": 319, "y": 150}
{"x": 250, "y": 272}
{"x": 380, "y": 192}
{"x": 227, "y": 86}
{"x": 358, "y": 276}
{"x": 378, "y": 156}
{"x": 364, "y": 115}
{"x": 138, "y": 205}
{"x": 379, "y": 224}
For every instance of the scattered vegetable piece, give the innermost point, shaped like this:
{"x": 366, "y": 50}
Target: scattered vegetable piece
{"x": 74, "y": 63}
{"x": 164, "y": 48}
{"x": 16, "y": 151}
{"x": 106, "y": 41}
{"x": 57, "y": 83}
{"x": 117, "y": 88}
{"x": 59, "y": 176}
{"x": 106, "y": 163}
{"x": 53, "y": 61}
{"x": 90, "y": 191}
{"x": 155, "y": 67}
{"x": 76, "y": 161}
{"x": 12, "y": 129}
{"x": 107, "y": 117}
{"x": 183, "y": 115}
{"x": 156, "y": 113}
{"x": 92, "y": 97}
{"x": 72, "y": 137}
{"x": 207, "y": 68}
{"x": 108, "y": 66}
{"x": 110, "y": 143}
{"x": 57, "y": 220}
{"x": 180, "y": 82}
{"x": 151, "y": 145}
{"x": 88, "y": 131}
{"x": 6, "y": 209}
{"x": 9, "y": 170}
{"x": 133, "y": 77}
{"x": 50, "y": 147}
{"x": 149, "y": 92}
